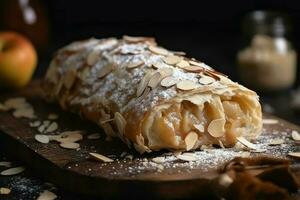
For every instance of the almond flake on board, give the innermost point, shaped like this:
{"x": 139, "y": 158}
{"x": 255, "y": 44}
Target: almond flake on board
{"x": 42, "y": 138}
{"x": 47, "y": 195}
{"x": 69, "y": 145}
{"x": 35, "y": 124}
{"x": 154, "y": 80}
{"x": 5, "y": 164}
{"x": 69, "y": 137}
{"x": 182, "y": 64}
{"x": 172, "y": 59}
{"x": 186, "y": 85}
{"x": 169, "y": 81}
{"x": 295, "y": 135}
{"x": 52, "y": 127}
{"x": 15, "y": 103}
{"x": 135, "y": 64}
{"x": 94, "y": 136}
{"x": 53, "y": 116}
{"x": 4, "y": 190}
{"x": 101, "y": 157}
{"x": 246, "y": 143}
{"x": 24, "y": 112}
{"x": 187, "y": 157}
{"x": 276, "y": 141}
{"x": 12, "y": 171}
{"x": 294, "y": 154}
{"x": 158, "y": 50}
{"x": 216, "y": 127}
{"x": 205, "y": 80}
{"x": 159, "y": 159}
{"x": 120, "y": 122}
{"x": 190, "y": 140}
{"x": 270, "y": 121}
{"x": 3, "y": 107}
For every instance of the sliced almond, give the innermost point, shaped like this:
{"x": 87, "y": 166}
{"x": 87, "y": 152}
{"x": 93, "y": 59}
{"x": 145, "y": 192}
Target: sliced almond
{"x": 158, "y": 65}
{"x": 120, "y": 122}
{"x": 270, "y": 121}
{"x": 5, "y": 164}
{"x": 172, "y": 59}
{"x": 42, "y": 138}
{"x": 216, "y": 127}
{"x": 179, "y": 53}
{"x": 165, "y": 72}
{"x": 136, "y": 39}
{"x": 4, "y": 190}
{"x": 35, "y": 124}
{"x": 276, "y": 141}
{"x": 169, "y": 81}
{"x": 186, "y": 85}
{"x": 159, "y": 159}
{"x": 190, "y": 140}
{"x": 47, "y": 195}
{"x": 135, "y": 64}
{"x": 42, "y": 128}
{"x": 93, "y": 57}
{"x": 52, "y": 127}
{"x": 70, "y": 78}
{"x": 69, "y": 137}
{"x": 143, "y": 83}
{"x": 187, "y": 157}
{"x": 12, "y": 171}
{"x": 182, "y": 64}
{"x": 94, "y": 136}
{"x": 192, "y": 68}
{"x": 199, "y": 127}
{"x": 106, "y": 120}
{"x": 14, "y": 103}
{"x": 294, "y": 154}
{"x": 53, "y": 116}
{"x": 246, "y": 143}
{"x": 3, "y": 107}
{"x": 295, "y": 135}
{"x": 106, "y": 69}
{"x": 154, "y": 80}
{"x": 24, "y": 112}
{"x": 192, "y": 62}
{"x": 205, "y": 80}
{"x": 101, "y": 157}
{"x": 158, "y": 50}
{"x": 69, "y": 145}
{"x": 221, "y": 144}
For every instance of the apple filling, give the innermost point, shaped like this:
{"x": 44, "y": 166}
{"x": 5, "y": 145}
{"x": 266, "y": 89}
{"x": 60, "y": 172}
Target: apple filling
{"x": 217, "y": 120}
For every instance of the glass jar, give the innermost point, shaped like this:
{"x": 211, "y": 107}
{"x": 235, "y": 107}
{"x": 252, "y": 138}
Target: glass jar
{"x": 268, "y": 60}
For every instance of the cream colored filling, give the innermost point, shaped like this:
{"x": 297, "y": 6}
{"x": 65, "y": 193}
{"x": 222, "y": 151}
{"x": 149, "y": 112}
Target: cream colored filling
{"x": 217, "y": 118}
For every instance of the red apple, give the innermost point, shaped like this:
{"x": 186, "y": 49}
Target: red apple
{"x": 18, "y": 60}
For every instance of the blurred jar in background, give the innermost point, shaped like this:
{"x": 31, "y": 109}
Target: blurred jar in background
{"x": 268, "y": 61}
{"x": 27, "y": 17}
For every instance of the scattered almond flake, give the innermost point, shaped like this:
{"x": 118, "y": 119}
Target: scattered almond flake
{"x": 199, "y": 127}
{"x": 27, "y": 112}
{"x": 216, "y": 127}
{"x": 246, "y": 143}
{"x": 158, "y": 50}
{"x": 42, "y": 128}
{"x": 46, "y": 123}
{"x": 101, "y": 157}
{"x": 159, "y": 159}
{"x": 52, "y": 127}
{"x": 192, "y": 68}
{"x": 5, "y": 164}
{"x": 270, "y": 121}
{"x": 106, "y": 69}
{"x": 294, "y": 154}
{"x": 187, "y": 157}
{"x": 47, "y": 195}
{"x": 154, "y": 80}
{"x": 182, "y": 64}
{"x": 158, "y": 65}
{"x": 276, "y": 141}
{"x": 206, "y": 80}
{"x": 92, "y": 57}
{"x": 135, "y": 64}
{"x": 42, "y": 138}
{"x": 221, "y": 144}
{"x": 172, "y": 59}
{"x": 169, "y": 81}
{"x": 69, "y": 137}
{"x": 123, "y": 154}
{"x": 190, "y": 140}
{"x": 295, "y": 135}
{"x": 120, "y": 122}
{"x": 12, "y": 171}
{"x": 4, "y": 190}
{"x": 165, "y": 72}
{"x": 15, "y": 103}
{"x": 35, "y": 124}
{"x": 94, "y": 136}
{"x": 53, "y": 116}
{"x": 186, "y": 85}
{"x": 143, "y": 84}
{"x": 3, "y": 107}
{"x": 69, "y": 145}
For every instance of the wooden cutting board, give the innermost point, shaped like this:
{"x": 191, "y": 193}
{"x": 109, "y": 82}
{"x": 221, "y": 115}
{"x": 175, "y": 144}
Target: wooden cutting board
{"x": 137, "y": 177}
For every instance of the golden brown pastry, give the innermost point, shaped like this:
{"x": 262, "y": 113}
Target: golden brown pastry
{"x": 150, "y": 97}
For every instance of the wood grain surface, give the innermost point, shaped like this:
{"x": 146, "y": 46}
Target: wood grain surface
{"x": 74, "y": 170}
